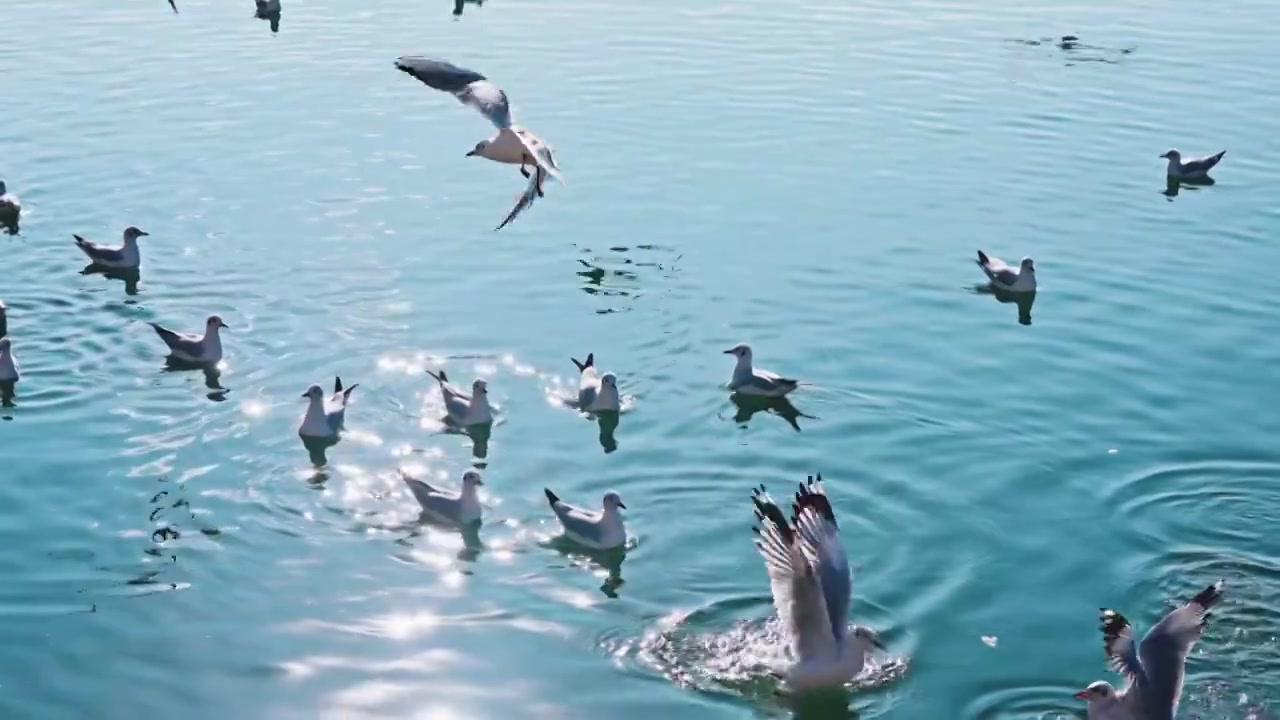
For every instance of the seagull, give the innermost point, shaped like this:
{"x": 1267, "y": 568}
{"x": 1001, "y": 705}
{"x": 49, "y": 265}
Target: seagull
{"x": 753, "y": 381}
{"x": 4, "y": 319}
{"x": 597, "y": 530}
{"x": 525, "y": 200}
{"x": 1006, "y": 278}
{"x": 188, "y": 347}
{"x": 8, "y": 363}
{"x": 512, "y": 144}
{"x": 812, "y": 588}
{"x": 10, "y": 206}
{"x": 324, "y": 420}
{"x": 460, "y": 508}
{"x": 464, "y": 409}
{"x": 596, "y": 392}
{"x": 1155, "y": 668}
{"x": 1193, "y": 169}
{"x": 125, "y": 257}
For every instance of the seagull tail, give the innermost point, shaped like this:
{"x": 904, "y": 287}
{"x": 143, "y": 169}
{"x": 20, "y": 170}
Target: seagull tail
{"x": 591, "y": 361}
{"x": 551, "y": 497}
{"x": 440, "y": 376}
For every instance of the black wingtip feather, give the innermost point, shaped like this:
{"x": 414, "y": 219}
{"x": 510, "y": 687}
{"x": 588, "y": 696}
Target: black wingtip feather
{"x": 982, "y": 258}
{"x": 337, "y": 384}
{"x": 590, "y": 362}
{"x": 1210, "y": 596}
{"x": 551, "y": 497}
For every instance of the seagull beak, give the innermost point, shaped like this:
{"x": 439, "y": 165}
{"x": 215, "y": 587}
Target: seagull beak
{"x": 224, "y": 325}
{"x": 728, "y": 352}
{"x": 143, "y": 234}
{"x": 1082, "y": 695}
{"x": 1164, "y": 155}
{"x": 622, "y": 505}
{"x": 471, "y": 153}
{"x": 305, "y": 395}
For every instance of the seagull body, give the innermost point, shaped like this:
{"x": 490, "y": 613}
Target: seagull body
{"x": 8, "y": 363}
{"x": 596, "y": 392}
{"x": 10, "y": 206}
{"x": 125, "y": 257}
{"x": 1193, "y": 169}
{"x": 750, "y": 380}
{"x": 325, "y": 419}
{"x": 193, "y": 348}
{"x": 1155, "y": 668}
{"x": 4, "y": 319}
{"x": 602, "y": 530}
{"x": 812, "y": 588}
{"x": 1005, "y": 278}
{"x": 463, "y": 409}
{"x": 460, "y": 508}
{"x": 512, "y": 144}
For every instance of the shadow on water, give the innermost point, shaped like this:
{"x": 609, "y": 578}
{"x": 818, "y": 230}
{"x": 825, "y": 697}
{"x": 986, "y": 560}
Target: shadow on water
{"x": 1023, "y": 301}
{"x": 1172, "y": 186}
{"x": 748, "y": 405}
{"x": 1076, "y": 51}
{"x": 472, "y": 545}
{"x": 617, "y": 275}
{"x": 129, "y": 277}
{"x": 268, "y": 10}
{"x": 212, "y": 376}
{"x": 458, "y": 5}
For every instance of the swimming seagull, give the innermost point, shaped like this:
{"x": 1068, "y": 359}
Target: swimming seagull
{"x": 10, "y": 205}
{"x": 1155, "y": 668}
{"x": 1194, "y": 169}
{"x": 192, "y": 348}
{"x": 460, "y": 508}
{"x": 125, "y": 257}
{"x": 596, "y": 392}
{"x": 512, "y": 144}
{"x": 1003, "y": 277}
{"x": 753, "y": 381}
{"x": 8, "y": 363}
{"x": 325, "y": 419}
{"x": 602, "y": 530}
{"x": 812, "y": 588}
{"x": 463, "y": 409}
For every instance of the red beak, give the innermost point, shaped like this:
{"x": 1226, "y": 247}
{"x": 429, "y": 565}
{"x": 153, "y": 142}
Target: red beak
{"x": 1082, "y": 695}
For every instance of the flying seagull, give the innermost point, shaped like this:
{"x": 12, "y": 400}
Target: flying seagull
{"x": 749, "y": 380}
{"x": 512, "y": 144}
{"x": 1155, "y": 668}
{"x": 1005, "y": 278}
{"x": 1193, "y": 169}
{"x": 812, "y": 588}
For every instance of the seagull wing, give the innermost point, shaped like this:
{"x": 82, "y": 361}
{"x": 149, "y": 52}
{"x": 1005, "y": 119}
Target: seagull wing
{"x": 470, "y": 87}
{"x": 541, "y": 154}
{"x": 99, "y": 253}
{"x": 187, "y": 344}
{"x": 816, "y": 523}
{"x": 1201, "y": 165}
{"x": 1165, "y": 647}
{"x": 525, "y": 201}
{"x": 996, "y": 269}
{"x": 576, "y": 521}
{"x": 796, "y": 589}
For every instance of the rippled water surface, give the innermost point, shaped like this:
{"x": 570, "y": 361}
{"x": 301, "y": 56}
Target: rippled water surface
{"x": 813, "y": 179}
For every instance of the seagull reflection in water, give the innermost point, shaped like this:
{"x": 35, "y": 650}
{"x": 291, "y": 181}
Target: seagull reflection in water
{"x": 129, "y": 277}
{"x": 268, "y": 10}
{"x": 212, "y": 376}
{"x": 748, "y": 405}
{"x": 459, "y": 4}
{"x": 608, "y": 421}
{"x": 1023, "y": 301}
{"x": 1172, "y": 185}
{"x": 608, "y": 560}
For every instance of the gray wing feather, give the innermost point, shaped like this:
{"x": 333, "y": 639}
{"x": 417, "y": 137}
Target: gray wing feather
{"x": 432, "y": 499}
{"x": 181, "y": 343}
{"x": 98, "y": 252}
{"x": 1004, "y": 276}
{"x": 822, "y": 545}
{"x": 578, "y": 521}
{"x": 796, "y": 589}
{"x": 1166, "y": 645}
{"x": 468, "y": 86}
{"x": 525, "y": 201}
{"x": 1202, "y": 165}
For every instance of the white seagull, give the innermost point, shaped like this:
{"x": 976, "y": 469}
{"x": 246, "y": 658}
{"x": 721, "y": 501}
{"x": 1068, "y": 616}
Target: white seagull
{"x": 463, "y": 409}
{"x": 460, "y": 508}
{"x": 125, "y": 257}
{"x": 1005, "y": 278}
{"x": 749, "y": 380}
{"x": 1155, "y": 668}
{"x": 325, "y": 419}
{"x": 596, "y": 392}
{"x": 812, "y": 588}
{"x": 193, "y": 348}
{"x": 512, "y": 144}
{"x": 1193, "y": 169}
{"x": 602, "y": 530}
{"x": 8, "y": 363}
{"x": 10, "y": 206}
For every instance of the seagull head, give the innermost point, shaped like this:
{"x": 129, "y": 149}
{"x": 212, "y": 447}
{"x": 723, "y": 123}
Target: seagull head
{"x": 1173, "y": 155}
{"x": 1099, "y": 691}
{"x": 3, "y": 190}
{"x": 131, "y": 234}
{"x": 613, "y": 502}
{"x": 471, "y": 479}
{"x": 741, "y": 350}
{"x": 213, "y": 323}
{"x": 479, "y": 387}
{"x": 868, "y": 638}
{"x": 1027, "y": 265}
{"x": 609, "y": 380}
{"x": 315, "y": 392}
{"x": 478, "y": 149}
{"x": 4, "y": 344}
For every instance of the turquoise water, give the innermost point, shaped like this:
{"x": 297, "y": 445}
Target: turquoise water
{"x": 812, "y": 179}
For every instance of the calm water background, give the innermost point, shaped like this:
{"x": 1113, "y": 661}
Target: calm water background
{"x": 811, "y": 178}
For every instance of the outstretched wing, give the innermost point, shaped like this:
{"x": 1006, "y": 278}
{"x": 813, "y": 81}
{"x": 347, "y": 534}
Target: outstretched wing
{"x": 541, "y": 154}
{"x": 797, "y": 592}
{"x": 1121, "y": 650}
{"x": 525, "y": 201}
{"x": 1165, "y": 647}
{"x": 470, "y": 87}
{"x": 816, "y": 523}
